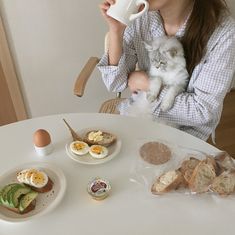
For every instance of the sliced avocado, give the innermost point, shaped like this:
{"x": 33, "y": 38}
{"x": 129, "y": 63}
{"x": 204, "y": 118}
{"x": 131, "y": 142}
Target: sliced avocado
{"x": 14, "y": 199}
{"x": 11, "y": 192}
{"x": 4, "y": 191}
{"x": 26, "y": 200}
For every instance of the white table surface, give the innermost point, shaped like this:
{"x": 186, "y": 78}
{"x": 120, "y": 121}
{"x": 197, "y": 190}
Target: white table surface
{"x": 127, "y": 210}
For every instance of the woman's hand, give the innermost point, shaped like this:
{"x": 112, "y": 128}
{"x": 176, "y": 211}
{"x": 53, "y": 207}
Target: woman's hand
{"x": 113, "y": 24}
{"x": 138, "y": 81}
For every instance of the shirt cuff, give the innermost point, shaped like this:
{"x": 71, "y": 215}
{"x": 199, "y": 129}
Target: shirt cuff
{"x": 114, "y": 76}
{"x": 105, "y": 68}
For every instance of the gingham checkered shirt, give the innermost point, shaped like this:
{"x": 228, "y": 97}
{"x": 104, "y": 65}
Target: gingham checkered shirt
{"x": 198, "y": 109}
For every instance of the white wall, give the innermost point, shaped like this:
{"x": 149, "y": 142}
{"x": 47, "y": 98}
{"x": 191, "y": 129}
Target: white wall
{"x": 50, "y": 41}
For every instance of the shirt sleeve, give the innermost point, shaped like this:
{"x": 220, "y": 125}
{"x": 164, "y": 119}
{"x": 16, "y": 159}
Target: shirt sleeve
{"x": 115, "y": 77}
{"x": 203, "y": 105}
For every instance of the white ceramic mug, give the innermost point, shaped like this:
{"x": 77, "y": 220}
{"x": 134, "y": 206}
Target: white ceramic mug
{"x": 126, "y": 11}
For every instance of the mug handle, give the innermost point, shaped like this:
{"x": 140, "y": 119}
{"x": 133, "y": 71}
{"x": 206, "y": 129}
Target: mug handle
{"x": 137, "y": 15}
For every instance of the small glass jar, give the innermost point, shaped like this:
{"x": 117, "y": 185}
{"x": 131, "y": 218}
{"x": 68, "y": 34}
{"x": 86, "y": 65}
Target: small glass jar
{"x": 98, "y": 188}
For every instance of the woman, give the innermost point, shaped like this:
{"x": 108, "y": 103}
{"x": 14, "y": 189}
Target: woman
{"x": 207, "y": 33}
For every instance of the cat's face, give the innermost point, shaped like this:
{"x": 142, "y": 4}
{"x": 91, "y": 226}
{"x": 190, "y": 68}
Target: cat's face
{"x": 164, "y": 52}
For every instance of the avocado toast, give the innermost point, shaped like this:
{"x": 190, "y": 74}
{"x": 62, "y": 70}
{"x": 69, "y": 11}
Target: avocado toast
{"x": 18, "y": 198}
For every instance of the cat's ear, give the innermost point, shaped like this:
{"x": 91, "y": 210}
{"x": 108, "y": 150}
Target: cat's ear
{"x": 148, "y": 46}
{"x": 172, "y": 52}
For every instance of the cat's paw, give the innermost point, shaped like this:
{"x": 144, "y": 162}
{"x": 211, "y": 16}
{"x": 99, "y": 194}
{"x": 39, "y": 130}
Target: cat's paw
{"x": 166, "y": 105}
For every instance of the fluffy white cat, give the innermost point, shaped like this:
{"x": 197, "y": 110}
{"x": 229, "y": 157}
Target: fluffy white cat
{"x": 167, "y": 68}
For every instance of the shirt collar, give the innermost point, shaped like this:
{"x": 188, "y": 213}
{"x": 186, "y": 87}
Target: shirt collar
{"x": 181, "y": 31}
{"x": 160, "y": 28}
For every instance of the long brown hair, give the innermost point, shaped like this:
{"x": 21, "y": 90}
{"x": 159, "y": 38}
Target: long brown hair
{"x": 204, "y": 19}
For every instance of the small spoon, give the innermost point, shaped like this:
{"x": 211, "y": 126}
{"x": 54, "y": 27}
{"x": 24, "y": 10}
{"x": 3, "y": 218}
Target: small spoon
{"x": 75, "y": 136}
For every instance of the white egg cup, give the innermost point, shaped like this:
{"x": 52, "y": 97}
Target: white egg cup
{"x": 43, "y": 151}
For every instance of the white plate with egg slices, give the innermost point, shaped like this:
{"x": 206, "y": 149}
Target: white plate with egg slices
{"x": 45, "y": 202}
{"x": 88, "y": 159}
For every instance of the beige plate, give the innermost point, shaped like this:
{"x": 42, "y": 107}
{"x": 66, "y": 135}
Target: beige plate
{"x": 114, "y": 149}
{"x": 45, "y": 202}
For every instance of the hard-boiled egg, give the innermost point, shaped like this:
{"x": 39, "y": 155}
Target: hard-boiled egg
{"x": 21, "y": 176}
{"x": 79, "y": 147}
{"x": 38, "y": 179}
{"x": 29, "y": 174}
{"x": 41, "y": 138}
{"x": 98, "y": 151}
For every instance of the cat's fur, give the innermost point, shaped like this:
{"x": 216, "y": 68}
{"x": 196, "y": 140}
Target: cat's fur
{"x": 167, "y": 68}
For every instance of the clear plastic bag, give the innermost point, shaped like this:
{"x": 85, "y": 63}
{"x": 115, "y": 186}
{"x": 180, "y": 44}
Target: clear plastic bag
{"x": 145, "y": 174}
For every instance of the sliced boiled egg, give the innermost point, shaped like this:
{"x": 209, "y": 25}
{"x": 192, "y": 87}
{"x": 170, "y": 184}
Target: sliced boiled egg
{"x": 38, "y": 179}
{"x": 21, "y": 176}
{"x": 79, "y": 147}
{"x": 98, "y": 151}
{"x": 29, "y": 174}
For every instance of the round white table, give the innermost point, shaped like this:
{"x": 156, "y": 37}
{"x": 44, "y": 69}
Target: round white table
{"x": 127, "y": 210}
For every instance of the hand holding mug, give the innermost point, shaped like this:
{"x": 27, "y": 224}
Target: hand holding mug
{"x": 126, "y": 11}
{"x": 113, "y": 24}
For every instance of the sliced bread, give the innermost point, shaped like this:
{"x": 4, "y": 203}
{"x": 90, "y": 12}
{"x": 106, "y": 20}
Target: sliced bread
{"x": 211, "y": 161}
{"x": 167, "y": 182}
{"x": 202, "y": 177}
{"x": 224, "y": 184}
{"x": 224, "y": 162}
{"x": 187, "y": 168}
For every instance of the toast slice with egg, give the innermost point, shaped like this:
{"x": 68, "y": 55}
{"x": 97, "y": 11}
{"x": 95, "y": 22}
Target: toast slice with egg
{"x": 48, "y": 187}
{"x": 166, "y": 182}
{"x": 37, "y": 180}
{"x": 98, "y": 137}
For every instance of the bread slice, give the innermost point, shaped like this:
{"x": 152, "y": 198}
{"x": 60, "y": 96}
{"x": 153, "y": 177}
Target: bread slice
{"x": 107, "y": 138}
{"x": 187, "y": 168}
{"x": 44, "y": 189}
{"x": 167, "y": 182}
{"x": 29, "y": 208}
{"x": 224, "y": 162}
{"x": 211, "y": 161}
{"x": 224, "y": 184}
{"x": 202, "y": 177}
